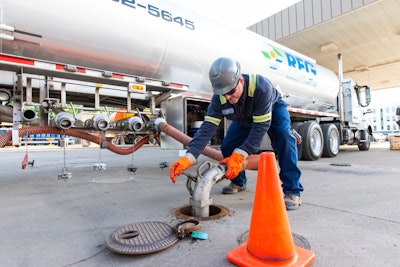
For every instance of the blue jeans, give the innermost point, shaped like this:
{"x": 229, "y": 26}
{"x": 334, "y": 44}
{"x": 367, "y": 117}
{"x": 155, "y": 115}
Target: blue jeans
{"x": 283, "y": 143}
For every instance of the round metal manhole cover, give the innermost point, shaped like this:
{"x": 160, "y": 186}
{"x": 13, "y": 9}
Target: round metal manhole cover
{"x": 142, "y": 238}
{"x": 298, "y": 240}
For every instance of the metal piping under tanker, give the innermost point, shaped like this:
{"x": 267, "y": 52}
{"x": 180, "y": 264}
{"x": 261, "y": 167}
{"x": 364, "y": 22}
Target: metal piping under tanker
{"x": 6, "y": 137}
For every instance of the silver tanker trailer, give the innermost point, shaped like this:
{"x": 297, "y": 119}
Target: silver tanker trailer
{"x": 129, "y": 63}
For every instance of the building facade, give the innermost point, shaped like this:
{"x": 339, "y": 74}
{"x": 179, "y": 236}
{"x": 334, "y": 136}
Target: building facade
{"x": 383, "y": 119}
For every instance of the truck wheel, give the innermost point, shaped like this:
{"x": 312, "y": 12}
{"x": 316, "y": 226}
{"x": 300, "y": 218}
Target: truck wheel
{"x": 331, "y": 140}
{"x": 313, "y": 140}
{"x": 364, "y": 146}
{"x": 296, "y": 126}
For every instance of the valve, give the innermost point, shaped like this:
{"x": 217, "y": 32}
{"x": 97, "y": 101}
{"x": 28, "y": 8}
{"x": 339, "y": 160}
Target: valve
{"x": 64, "y": 120}
{"x": 101, "y": 122}
{"x": 135, "y": 124}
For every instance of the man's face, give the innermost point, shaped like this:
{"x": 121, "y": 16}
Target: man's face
{"x": 234, "y": 95}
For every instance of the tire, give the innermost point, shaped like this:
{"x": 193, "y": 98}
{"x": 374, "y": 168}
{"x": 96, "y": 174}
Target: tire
{"x": 364, "y": 146}
{"x": 331, "y": 140}
{"x": 313, "y": 140}
{"x": 296, "y": 126}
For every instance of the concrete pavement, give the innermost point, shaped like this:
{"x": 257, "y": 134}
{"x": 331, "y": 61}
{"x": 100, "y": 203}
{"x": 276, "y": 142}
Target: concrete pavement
{"x": 350, "y": 213}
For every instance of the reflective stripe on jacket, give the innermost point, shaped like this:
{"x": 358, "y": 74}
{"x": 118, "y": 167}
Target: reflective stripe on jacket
{"x": 253, "y": 110}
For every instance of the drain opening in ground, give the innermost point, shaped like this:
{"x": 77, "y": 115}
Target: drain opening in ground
{"x": 186, "y": 212}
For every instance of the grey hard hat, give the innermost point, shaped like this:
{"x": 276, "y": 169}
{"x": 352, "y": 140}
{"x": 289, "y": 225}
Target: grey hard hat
{"x": 224, "y": 75}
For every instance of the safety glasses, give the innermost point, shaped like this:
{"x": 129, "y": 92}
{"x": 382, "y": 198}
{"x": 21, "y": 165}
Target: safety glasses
{"x": 233, "y": 90}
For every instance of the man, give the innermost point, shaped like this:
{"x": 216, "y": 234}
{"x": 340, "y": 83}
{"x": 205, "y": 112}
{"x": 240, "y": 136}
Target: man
{"x": 255, "y": 108}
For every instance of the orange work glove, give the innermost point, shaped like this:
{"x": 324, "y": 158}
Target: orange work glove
{"x": 178, "y": 167}
{"x": 236, "y": 163}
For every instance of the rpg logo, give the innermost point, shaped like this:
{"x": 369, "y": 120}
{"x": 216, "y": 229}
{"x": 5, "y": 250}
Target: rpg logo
{"x": 277, "y": 57}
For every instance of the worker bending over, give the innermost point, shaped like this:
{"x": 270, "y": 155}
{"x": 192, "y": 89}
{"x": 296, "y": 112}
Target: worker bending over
{"x": 255, "y": 108}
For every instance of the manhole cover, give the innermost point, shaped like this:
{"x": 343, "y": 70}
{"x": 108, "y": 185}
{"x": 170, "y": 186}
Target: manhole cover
{"x": 298, "y": 240}
{"x": 142, "y": 238}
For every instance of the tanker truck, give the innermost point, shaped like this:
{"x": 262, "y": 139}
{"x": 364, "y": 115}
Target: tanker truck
{"x": 150, "y": 60}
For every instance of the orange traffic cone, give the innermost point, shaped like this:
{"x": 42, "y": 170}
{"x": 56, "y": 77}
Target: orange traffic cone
{"x": 270, "y": 241}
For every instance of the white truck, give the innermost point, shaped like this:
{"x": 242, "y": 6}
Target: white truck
{"x": 149, "y": 59}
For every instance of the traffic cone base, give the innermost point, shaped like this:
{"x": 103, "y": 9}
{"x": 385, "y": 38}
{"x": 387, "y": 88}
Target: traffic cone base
{"x": 270, "y": 241}
{"x": 242, "y": 257}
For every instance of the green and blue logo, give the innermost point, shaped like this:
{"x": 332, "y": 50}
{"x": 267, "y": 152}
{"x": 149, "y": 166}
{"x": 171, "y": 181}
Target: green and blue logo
{"x": 277, "y": 57}
{"x": 274, "y": 56}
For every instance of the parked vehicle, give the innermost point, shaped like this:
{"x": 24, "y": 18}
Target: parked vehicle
{"x": 152, "y": 59}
